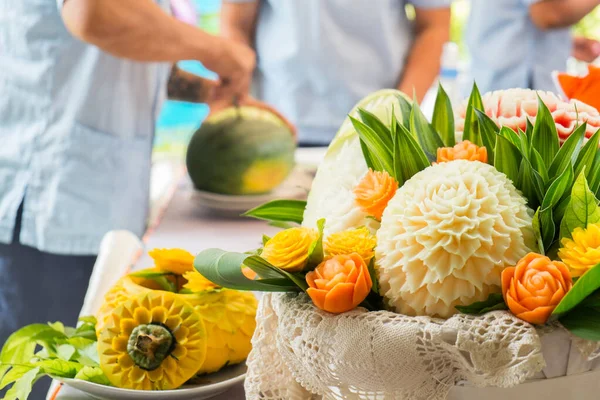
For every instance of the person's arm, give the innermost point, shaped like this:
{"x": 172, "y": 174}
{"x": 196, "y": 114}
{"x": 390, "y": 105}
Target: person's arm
{"x": 184, "y": 86}
{"x": 141, "y": 31}
{"x": 238, "y": 20}
{"x": 553, "y": 14}
{"x": 432, "y": 30}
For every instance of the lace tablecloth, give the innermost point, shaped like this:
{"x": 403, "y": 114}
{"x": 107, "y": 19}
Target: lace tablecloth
{"x": 299, "y": 351}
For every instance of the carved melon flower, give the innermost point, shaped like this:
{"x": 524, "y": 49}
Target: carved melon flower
{"x": 289, "y": 249}
{"x": 359, "y": 241}
{"x": 464, "y": 150}
{"x": 332, "y": 194}
{"x": 177, "y": 261}
{"x": 196, "y": 282}
{"x": 447, "y": 235}
{"x": 152, "y": 341}
{"x": 374, "y": 192}
{"x": 512, "y": 108}
{"x": 583, "y": 251}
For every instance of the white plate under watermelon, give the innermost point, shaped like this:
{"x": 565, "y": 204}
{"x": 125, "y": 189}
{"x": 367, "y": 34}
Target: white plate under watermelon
{"x": 296, "y": 187}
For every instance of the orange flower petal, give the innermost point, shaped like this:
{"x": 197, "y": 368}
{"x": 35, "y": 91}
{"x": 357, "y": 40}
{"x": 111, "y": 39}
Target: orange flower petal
{"x": 361, "y": 289}
{"x": 343, "y": 283}
{"x": 507, "y": 275}
{"x": 464, "y": 150}
{"x": 539, "y": 316}
{"x": 317, "y": 296}
{"x": 514, "y": 306}
{"x": 374, "y": 191}
{"x": 339, "y": 299}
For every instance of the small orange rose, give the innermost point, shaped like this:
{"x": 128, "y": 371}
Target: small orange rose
{"x": 464, "y": 150}
{"x": 534, "y": 287}
{"x": 340, "y": 283}
{"x": 374, "y": 192}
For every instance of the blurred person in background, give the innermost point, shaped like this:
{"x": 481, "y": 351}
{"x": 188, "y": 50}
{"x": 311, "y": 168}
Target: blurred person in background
{"x": 518, "y": 43}
{"x": 81, "y": 84}
{"x": 317, "y": 58}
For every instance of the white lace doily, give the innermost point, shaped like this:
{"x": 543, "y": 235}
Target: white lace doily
{"x": 302, "y": 353}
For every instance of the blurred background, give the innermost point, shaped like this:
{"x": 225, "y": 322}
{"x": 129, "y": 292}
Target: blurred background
{"x": 178, "y": 120}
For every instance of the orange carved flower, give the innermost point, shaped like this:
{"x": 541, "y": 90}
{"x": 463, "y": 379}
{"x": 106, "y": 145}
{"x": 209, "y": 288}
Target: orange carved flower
{"x": 534, "y": 287}
{"x": 340, "y": 283}
{"x": 374, "y": 192}
{"x": 464, "y": 150}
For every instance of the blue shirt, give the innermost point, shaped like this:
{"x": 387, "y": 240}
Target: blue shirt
{"x": 509, "y": 51}
{"x": 318, "y": 58}
{"x": 76, "y": 128}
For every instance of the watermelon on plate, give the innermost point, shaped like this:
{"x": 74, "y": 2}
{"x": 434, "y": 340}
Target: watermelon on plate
{"x": 241, "y": 151}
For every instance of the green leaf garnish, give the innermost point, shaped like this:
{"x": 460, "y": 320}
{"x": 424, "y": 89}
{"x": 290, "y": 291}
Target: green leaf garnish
{"x": 568, "y": 153}
{"x": 537, "y": 231}
{"x": 474, "y": 103}
{"x": 544, "y": 138}
{"x": 93, "y": 374}
{"x": 587, "y": 284}
{"x": 405, "y": 111}
{"x": 443, "y": 118}
{"x": 494, "y": 302}
{"x": 558, "y": 188}
{"x": 409, "y": 158}
{"x": 586, "y": 157}
{"x": 279, "y": 211}
{"x": 539, "y": 166}
{"x": 583, "y": 322}
{"x": 315, "y": 252}
{"x": 22, "y": 387}
{"x": 427, "y": 136}
{"x": 487, "y": 130}
{"x": 377, "y": 126}
{"x": 593, "y": 175}
{"x": 225, "y": 269}
{"x": 373, "y": 274}
{"x": 508, "y": 157}
{"x": 582, "y": 209}
{"x": 377, "y": 152}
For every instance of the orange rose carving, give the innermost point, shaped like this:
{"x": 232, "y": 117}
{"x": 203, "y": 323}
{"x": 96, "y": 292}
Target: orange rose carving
{"x": 465, "y": 150}
{"x": 374, "y": 192}
{"x": 340, "y": 283}
{"x": 535, "y": 286}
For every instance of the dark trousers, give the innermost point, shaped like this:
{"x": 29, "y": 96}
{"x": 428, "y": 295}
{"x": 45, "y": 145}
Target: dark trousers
{"x": 38, "y": 287}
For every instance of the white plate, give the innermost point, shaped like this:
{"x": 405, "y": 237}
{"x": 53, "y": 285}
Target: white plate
{"x": 296, "y": 186}
{"x": 209, "y": 386}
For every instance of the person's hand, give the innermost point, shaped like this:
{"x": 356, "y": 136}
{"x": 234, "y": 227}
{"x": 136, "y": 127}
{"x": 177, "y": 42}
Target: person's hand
{"x": 220, "y": 104}
{"x": 585, "y": 49}
{"x": 234, "y": 63}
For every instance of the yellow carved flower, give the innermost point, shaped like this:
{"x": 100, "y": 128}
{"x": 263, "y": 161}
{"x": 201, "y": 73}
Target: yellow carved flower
{"x": 358, "y": 241}
{"x": 153, "y": 341}
{"x": 583, "y": 251}
{"x": 196, "y": 282}
{"x": 177, "y": 261}
{"x": 288, "y": 249}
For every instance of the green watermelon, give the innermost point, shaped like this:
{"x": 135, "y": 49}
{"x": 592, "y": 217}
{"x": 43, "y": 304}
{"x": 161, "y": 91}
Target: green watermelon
{"x": 241, "y": 151}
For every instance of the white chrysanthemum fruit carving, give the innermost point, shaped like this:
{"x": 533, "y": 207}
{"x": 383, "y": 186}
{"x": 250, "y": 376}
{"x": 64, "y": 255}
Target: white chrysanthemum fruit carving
{"x": 446, "y": 236}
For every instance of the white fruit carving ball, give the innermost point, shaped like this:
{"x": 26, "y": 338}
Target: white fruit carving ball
{"x": 446, "y": 236}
